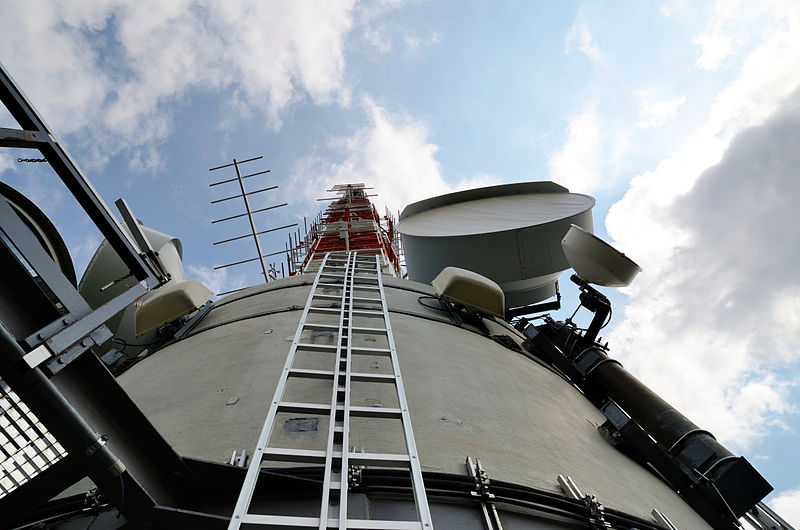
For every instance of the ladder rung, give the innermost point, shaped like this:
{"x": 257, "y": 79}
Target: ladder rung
{"x": 328, "y": 296}
{"x": 374, "y": 524}
{"x": 363, "y": 350}
{"x": 321, "y": 327}
{"x": 285, "y": 520}
{"x": 312, "y": 374}
{"x": 366, "y": 299}
{"x": 313, "y": 522}
{"x": 374, "y": 412}
{"x": 367, "y": 312}
{"x": 293, "y": 406}
{"x": 356, "y": 329}
{"x": 377, "y": 459}
{"x": 336, "y": 310}
{"x": 371, "y": 378}
{"x": 283, "y": 454}
{"x": 358, "y": 412}
{"x": 316, "y": 347}
{"x": 313, "y": 456}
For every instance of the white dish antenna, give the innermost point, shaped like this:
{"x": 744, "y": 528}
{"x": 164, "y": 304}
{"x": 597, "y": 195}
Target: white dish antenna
{"x": 596, "y": 261}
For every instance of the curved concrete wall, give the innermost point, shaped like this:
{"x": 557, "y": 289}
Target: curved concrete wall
{"x": 468, "y": 396}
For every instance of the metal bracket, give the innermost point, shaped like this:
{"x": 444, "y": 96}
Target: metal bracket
{"x": 146, "y": 251}
{"x": 86, "y": 326}
{"x": 596, "y": 512}
{"x": 662, "y": 519}
{"x": 569, "y": 487}
{"x": 92, "y": 448}
{"x": 595, "y": 509}
{"x": 482, "y": 492}
{"x": 354, "y": 476}
{"x": 37, "y": 356}
{"x": 239, "y": 459}
{"x": 763, "y": 518}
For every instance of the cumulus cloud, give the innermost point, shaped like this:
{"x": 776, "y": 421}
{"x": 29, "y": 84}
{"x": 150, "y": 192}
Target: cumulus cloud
{"x": 577, "y": 164}
{"x": 114, "y": 69}
{"x": 391, "y": 154}
{"x": 217, "y": 281}
{"x": 580, "y": 37}
{"x": 654, "y": 113}
{"x": 711, "y": 323}
{"x": 787, "y": 505}
{"x": 734, "y": 24}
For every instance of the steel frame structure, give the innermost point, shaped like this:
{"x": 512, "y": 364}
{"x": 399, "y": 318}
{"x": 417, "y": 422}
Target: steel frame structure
{"x": 61, "y": 390}
{"x": 351, "y": 223}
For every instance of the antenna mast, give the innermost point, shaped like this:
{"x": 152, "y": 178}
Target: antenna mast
{"x": 270, "y": 273}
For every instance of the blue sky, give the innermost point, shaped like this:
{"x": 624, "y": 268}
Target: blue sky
{"x": 679, "y": 117}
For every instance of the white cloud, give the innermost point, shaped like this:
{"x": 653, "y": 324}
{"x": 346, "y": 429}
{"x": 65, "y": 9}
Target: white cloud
{"x": 654, "y": 113}
{"x": 787, "y": 505}
{"x": 716, "y": 48}
{"x": 577, "y": 164}
{"x": 6, "y": 162}
{"x": 580, "y": 37}
{"x": 734, "y": 24}
{"x": 217, "y": 281}
{"x": 711, "y": 322}
{"x": 391, "y": 154}
{"x": 117, "y": 68}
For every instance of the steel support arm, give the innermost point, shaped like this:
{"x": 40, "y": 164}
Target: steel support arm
{"x": 36, "y": 131}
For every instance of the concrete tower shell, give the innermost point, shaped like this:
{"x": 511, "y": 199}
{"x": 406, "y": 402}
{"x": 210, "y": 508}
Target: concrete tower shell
{"x": 468, "y": 396}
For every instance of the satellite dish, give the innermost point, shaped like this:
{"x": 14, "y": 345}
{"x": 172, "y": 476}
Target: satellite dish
{"x": 42, "y": 228}
{"x": 510, "y": 234}
{"x": 596, "y": 261}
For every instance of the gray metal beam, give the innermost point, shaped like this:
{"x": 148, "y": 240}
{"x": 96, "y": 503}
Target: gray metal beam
{"x": 68, "y": 171}
{"x": 21, "y": 138}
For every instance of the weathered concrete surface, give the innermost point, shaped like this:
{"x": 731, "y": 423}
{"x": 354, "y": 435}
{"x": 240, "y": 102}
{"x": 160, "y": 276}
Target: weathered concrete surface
{"x": 468, "y": 396}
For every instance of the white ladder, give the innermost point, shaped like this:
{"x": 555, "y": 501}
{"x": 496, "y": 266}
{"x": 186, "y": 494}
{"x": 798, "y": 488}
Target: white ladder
{"x": 350, "y": 275}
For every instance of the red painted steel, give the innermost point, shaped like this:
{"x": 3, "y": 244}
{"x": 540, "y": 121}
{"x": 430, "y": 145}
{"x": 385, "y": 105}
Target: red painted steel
{"x": 351, "y": 222}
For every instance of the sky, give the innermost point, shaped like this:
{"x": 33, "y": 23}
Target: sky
{"x": 681, "y": 118}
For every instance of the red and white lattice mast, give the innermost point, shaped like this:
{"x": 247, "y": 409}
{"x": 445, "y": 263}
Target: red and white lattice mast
{"x": 351, "y": 223}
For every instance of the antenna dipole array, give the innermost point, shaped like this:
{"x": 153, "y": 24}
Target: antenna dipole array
{"x": 270, "y": 273}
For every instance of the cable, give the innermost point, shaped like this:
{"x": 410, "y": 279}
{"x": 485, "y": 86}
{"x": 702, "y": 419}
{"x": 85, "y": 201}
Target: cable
{"x": 608, "y": 320}
{"x": 126, "y": 344}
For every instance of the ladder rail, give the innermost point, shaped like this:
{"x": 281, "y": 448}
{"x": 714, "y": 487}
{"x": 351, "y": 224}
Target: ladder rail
{"x": 249, "y": 485}
{"x": 331, "y": 444}
{"x": 420, "y": 497}
{"x": 345, "y": 466}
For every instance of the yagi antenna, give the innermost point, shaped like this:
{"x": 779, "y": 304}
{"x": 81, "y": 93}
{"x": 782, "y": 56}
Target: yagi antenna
{"x": 270, "y": 273}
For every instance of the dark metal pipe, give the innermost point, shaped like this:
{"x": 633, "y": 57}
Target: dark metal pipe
{"x": 730, "y": 485}
{"x": 671, "y": 429}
